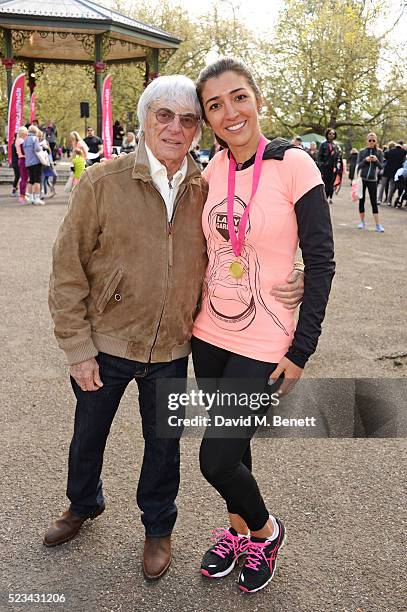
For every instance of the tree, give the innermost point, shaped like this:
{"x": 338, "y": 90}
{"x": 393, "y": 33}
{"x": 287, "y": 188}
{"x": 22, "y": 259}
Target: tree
{"x": 324, "y": 65}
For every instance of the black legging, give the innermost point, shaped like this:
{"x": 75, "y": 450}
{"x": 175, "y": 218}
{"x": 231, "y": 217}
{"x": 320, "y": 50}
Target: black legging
{"x": 226, "y": 461}
{"x": 16, "y": 175}
{"x": 372, "y": 189}
{"x": 328, "y": 177}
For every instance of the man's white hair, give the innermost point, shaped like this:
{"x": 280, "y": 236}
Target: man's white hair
{"x": 174, "y": 88}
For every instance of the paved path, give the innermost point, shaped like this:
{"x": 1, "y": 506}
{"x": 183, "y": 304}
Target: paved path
{"x": 341, "y": 499}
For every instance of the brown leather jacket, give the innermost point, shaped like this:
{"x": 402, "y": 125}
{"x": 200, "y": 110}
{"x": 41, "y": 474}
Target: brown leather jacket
{"x": 124, "y": 281}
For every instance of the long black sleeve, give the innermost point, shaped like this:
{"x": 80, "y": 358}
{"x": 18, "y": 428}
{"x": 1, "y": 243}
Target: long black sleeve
{"x": 316, "y": 244}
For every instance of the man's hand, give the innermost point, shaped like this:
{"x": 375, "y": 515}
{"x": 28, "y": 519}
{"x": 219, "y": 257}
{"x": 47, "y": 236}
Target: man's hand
{"x": 86, "y": 375}
{"x": 291, "y": 293}
{"x": 292, "y": 373}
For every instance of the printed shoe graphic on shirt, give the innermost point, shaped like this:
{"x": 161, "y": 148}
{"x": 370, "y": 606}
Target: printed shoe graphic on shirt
{"x": 232, "y": 302}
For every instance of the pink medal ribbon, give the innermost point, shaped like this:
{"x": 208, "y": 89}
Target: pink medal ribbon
{"x": 237, "y": 240}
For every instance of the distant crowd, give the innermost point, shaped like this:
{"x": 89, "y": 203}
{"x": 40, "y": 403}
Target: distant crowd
{"x": 391, "y": 177}
{"x": 35, "y": 150}
{"x": 381, "y": 172}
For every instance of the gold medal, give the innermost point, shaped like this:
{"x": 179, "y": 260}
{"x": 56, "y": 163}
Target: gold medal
{"x": 236, "y": 269}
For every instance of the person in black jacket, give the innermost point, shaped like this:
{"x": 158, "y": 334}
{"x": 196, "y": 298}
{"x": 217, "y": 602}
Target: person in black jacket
{"x": 394, "y": 159}
{"x": 118, "y": 134}
{"x": 370, "y": 160}
{"x": 16, "y": 169}
{"x": 330, "y": 162}
{"x": 353, "y": 158}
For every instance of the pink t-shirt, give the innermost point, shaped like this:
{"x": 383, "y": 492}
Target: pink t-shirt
{"x": 240, "y": 315}
{"x": 19, "y": 149}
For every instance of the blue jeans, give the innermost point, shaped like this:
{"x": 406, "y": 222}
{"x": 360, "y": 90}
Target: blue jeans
{"x": 95, "y": 410}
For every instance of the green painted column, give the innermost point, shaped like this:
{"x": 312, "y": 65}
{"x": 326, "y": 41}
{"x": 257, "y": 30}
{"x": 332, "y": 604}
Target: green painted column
{"x": 8, "y": 61}
{"x": 99, "y": 69}
{"x": 151, "y": 65}
{"x": 154, "y": 63}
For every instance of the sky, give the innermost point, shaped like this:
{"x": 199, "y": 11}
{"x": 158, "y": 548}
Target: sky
{"x": 261, "y": 15}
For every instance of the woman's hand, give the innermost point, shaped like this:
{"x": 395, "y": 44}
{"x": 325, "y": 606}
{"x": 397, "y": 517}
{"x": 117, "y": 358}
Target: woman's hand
{"x": 292, "y": 373}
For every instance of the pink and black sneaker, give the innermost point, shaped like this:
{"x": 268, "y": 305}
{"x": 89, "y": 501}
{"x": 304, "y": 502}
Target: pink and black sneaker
{"x": 261, "y": 561}
{"x": 221, "y": 558}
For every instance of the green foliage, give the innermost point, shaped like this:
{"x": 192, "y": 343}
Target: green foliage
{"x": 325, "y": 68}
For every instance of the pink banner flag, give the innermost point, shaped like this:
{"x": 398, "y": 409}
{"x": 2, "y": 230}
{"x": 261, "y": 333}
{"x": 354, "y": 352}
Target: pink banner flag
{"x": 15, "y": 111}
{"x": 32, "y": 108}
{"x": 107, "y": 125}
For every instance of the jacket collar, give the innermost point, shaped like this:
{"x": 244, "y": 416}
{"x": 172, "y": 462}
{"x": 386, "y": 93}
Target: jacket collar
{"x": 141, "y": 168}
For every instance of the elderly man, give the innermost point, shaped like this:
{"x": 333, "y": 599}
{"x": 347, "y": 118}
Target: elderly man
{"x": 127, "y": 269}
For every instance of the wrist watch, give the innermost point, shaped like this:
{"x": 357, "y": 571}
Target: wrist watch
{"x": 298, "y": 265}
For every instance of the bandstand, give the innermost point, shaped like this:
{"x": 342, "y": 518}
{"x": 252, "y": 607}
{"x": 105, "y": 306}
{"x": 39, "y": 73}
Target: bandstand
{"x": 35, "y": 33}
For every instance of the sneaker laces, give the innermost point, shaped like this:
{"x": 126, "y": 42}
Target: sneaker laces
{"x": 256, "y": 554}
{"x": 226, "y": 542}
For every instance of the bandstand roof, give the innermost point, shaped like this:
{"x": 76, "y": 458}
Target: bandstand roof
{"x": 63, "y": 30}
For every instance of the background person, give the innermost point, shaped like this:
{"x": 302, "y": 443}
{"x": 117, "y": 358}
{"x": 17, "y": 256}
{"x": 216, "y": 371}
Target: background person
{"x": 241, "y": 331}
{"x": 393, "y": 160}
{"x": 129, "y": 143}
{"x": 21, "y": 138}
{"x": 329, "y": 162}
{"x": 215, "y": 148}
{"x": 118, "y": 135}
{"x": 50, "y": 134}
{"x": 400, "y": 180}
{"x": 77, "y": 143}
{"x": 33, "y": 165}
{"x": 79, "y": 165}
{"x": 14, "y": 165}
{"x": 353, "y": 159}
{"x": 370, "y": 160}
{"x": 313, "y": 151}
{"x": 95, "y": 146}
{"x": 49, "y": 174}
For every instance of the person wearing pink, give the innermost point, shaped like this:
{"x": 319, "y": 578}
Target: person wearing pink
{"x": 78, "y": 143}
{"x": 21, "y": 136}
{"x": 264, "y": 198}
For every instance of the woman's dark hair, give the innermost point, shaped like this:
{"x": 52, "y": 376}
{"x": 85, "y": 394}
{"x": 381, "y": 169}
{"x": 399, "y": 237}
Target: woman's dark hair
{"x": 225, "y": 64}
{"x": 330, "y": 130}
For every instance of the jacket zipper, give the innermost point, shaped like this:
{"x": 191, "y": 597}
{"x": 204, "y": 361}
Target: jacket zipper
{"x": 370, "y": 166}
{"x": 169, "y": 259}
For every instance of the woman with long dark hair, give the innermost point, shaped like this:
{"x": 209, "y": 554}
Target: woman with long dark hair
{"x": 263, "y": 198}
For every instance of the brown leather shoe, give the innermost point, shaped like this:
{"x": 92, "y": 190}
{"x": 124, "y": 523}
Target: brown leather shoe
{"x": 67, "y": 526}
{"x": 157, "y": 557}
